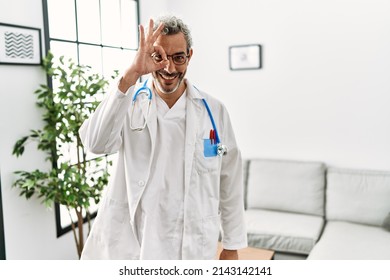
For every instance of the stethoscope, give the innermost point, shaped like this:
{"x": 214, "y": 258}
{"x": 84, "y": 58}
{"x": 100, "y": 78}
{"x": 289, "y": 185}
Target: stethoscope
{"x": 144, "y": 89}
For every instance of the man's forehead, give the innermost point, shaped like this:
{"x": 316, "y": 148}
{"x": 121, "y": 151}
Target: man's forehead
{"x": 177, "y": 40}
{"x": 173, "y": 43}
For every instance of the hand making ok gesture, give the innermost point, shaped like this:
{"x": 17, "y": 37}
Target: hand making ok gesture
{"x": 143, "y": 62}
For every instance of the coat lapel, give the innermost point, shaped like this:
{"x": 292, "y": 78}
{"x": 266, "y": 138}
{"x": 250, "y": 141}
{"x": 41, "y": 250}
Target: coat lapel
{"x": 192, "y": 126}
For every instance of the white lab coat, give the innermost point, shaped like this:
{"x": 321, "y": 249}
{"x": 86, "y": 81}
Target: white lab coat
{"x": 213, "y": 187}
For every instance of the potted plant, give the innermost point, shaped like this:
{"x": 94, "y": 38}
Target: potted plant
{"x": 73, "y": 181}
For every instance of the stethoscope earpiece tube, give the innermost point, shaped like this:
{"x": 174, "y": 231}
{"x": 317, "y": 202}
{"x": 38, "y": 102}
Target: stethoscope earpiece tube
{"x": 212, "y": 120}
{"x": 148, "y": 92}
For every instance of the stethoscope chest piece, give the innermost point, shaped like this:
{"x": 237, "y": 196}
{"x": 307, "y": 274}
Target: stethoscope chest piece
{"x": 221, "y": 150}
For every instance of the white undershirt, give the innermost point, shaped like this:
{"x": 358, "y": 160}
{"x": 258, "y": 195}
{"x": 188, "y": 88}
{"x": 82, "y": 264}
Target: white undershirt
{"x": 159, "y": 219}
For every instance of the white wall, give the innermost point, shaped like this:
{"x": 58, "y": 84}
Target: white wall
{"x": 323, "y": 91}
{"x": 151, "y": 9}
{"x": 29, "y": 227}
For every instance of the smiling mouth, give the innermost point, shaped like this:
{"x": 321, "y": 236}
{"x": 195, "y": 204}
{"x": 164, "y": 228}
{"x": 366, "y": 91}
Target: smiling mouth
{"x": 168, "y": 77}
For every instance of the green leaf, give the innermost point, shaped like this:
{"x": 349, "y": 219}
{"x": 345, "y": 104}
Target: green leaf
{"x": 19, "y": 146}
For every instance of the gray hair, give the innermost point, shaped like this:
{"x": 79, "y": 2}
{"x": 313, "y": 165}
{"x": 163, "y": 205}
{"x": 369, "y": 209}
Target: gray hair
{"x": 174, "y": 25}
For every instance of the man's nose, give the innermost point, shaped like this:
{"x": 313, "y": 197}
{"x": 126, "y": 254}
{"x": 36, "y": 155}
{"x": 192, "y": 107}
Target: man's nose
{"x": 170, "y": 68}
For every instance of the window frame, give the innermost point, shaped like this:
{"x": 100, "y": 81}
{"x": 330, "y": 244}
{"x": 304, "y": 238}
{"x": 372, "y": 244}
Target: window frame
{"x": 47, "y": 40}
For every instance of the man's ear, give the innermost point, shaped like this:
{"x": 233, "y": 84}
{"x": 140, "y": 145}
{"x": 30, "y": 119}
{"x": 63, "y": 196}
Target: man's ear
{"x": 190, "y": 54}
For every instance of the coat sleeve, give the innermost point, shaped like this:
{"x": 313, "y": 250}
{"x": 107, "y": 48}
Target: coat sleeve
{"x": 101, "y": 132}
{"x": 234, "y": 235}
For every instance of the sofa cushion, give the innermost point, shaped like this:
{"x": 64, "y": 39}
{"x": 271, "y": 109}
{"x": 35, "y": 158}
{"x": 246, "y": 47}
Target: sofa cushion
{"x": 349, "y": 241}
{"x": 386, "y": 223}
{"x": 357, "y": 196}
{"x": 294, "y": 186}
{"x": 282, "y": 231}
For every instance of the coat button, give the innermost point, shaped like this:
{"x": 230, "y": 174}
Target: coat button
{"x": 141, "y": 183}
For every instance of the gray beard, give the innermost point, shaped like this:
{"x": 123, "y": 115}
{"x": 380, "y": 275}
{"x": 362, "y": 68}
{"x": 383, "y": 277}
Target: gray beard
{"x": 161, "y": 89}
{"x": 167, "y": 92}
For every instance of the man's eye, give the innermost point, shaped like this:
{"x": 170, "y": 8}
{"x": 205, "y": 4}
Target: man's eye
{"x": 157, "y": 58}
{"x": 179, "y": 58}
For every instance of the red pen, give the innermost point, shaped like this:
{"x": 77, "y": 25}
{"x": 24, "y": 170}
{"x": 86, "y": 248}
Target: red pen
{"x": 214, "y": 138}
{"x": 211, "y": 136}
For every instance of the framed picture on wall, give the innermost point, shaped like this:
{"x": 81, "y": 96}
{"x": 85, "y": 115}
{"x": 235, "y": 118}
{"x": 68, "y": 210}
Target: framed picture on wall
{"x": 20, "y": 45}
{"x": 245, "y": 57}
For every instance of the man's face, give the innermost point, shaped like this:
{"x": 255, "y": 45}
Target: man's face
{"x": 170, "y": 79}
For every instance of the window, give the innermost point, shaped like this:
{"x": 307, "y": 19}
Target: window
{"x": 100, "y": 33}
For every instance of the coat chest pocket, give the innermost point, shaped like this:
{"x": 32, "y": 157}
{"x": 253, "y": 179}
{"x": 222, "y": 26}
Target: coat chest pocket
{"x": 205, "y": 163}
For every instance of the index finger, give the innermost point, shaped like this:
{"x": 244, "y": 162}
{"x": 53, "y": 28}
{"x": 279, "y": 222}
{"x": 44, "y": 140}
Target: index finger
{"x": 157, "y": 32}
{"x": 141, "y": 35}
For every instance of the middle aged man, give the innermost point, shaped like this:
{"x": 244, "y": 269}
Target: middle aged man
{"x": 178, "y": 179}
